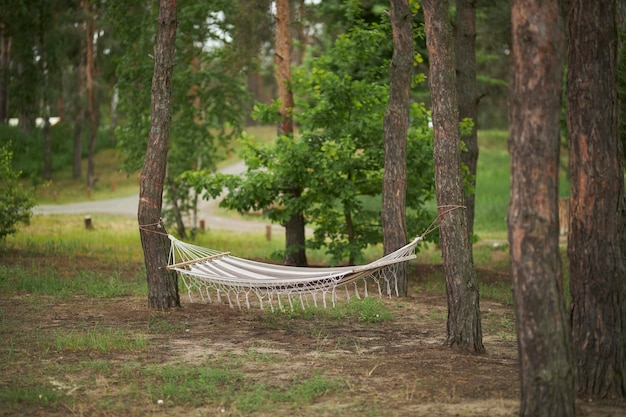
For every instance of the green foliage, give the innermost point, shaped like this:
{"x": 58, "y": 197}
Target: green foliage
{"x": 27, "y": 149}
{"x": 15, "y": 201}
{"x": 209, "y": 95}
{"x": 338, "y": 157}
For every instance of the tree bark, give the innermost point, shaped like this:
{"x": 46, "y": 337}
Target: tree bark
{"x": 92, "y": 105}
{"x": 295, "y": 252}
{"x": 162, "y": 283}
{"x": 544, "y": 342}
{"x": 464, "y": 325}
{"x": 465, "y": 49}
{"x": 79, "y": 118}
{"x": 396, "y": 125}
{"x": 5, "y": 59}
{"x": 596, "y": 255}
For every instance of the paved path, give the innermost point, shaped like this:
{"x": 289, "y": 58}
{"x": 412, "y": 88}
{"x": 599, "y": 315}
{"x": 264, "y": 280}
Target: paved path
{"x": 128, "y": 206}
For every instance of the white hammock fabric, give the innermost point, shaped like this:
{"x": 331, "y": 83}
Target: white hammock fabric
{"x": 209, "y": 272}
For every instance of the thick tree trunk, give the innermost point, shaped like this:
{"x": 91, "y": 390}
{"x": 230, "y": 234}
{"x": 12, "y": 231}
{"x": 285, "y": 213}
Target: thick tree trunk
{"x": 465, "y": 49}
{"x": 546, "y": 372}
{"x": 597, "y": 270}
{"x": 396, "y": 125}
{"x": 162, "y": 283}
{"x": 295, "y": 252}
{"x": 464, "y": 326}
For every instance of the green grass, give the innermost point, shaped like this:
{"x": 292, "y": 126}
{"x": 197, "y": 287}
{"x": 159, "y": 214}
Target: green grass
{"x": 204, "y": 385}
{"x": 102, "y": 340}
{"x": 365, "y": 310}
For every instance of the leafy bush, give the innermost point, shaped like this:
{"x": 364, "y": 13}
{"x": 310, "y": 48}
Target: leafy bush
{"x": 15, "y": 201}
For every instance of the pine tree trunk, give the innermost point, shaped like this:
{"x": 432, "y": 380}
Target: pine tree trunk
{"x": 465, "y": 49}
{"x": 597, "y": 270}
{"x": 92, "y": 106}
{"x": 396, "y": 125}
{"x": 546, "y": 371}
{"x": 295, "y": 252}
{"x": 464, "y": 325}
{"x": 5, "y": 58}
{"x": 162, "y": 283}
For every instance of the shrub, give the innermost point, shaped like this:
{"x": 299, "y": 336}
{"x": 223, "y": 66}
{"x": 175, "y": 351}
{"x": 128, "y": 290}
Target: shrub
{"x": 15, "y": 201}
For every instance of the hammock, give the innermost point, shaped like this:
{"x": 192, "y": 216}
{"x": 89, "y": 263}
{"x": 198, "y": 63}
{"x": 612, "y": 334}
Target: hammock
{"x": 241, "y": 281}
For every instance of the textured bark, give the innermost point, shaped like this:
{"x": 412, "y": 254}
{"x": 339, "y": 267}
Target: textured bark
{"x": 465, "y": 49}
{"x": 5, "y": 59}
{"x": 596, "y": 255}
{"x": 546, "y": 371}
{"x": 295, "y": 253}
{"x": 162, "y": 283}
{"x": 92, "y": 104}
{"x": 396, "y": 125}
{"x": 463, "y": 326}
{"x": 79, "y": 119}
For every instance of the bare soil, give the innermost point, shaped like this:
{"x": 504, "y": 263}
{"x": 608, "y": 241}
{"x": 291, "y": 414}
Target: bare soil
{"x": 399, "y": 367}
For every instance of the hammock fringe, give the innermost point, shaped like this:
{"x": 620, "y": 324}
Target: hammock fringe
{"x": 207, "y": 272}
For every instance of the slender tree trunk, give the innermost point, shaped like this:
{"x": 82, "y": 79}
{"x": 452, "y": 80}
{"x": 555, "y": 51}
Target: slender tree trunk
{"x": 92, "y": 105}
{"x": 162, "y": 283}
{"x": 546, "y": 372}
{"x": 5, "y": 59}
{"x": 465, "y": 49}
{"x": 464, "y": 325}
{"x": 597, "y": 270}
{"x": 79, "y": 120}
{"x": 396, "y": 125}
{"x": 295, "y": 226}
{"x": 47, "y": 140}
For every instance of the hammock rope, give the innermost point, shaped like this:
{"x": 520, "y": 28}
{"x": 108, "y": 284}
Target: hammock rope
{"x": 241, "y": 281}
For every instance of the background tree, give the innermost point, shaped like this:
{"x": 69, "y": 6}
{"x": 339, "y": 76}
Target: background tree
{"x": 208, "y": 105}
{"x": 162, "y": 283}
{"x": 465, "y": 50}
{"x": 544, "y": 340}
{"x": 337, "y": 157}
{"x": 597, "y": 223}
{"x": 464, "y": 325}
{"x": 295, "y": 225}
{"x": 93, "y": 111}
{"x": 396, "y": 126}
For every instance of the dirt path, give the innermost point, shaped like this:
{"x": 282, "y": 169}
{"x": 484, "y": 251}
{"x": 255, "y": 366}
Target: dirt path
{"x": 127, "y": 206}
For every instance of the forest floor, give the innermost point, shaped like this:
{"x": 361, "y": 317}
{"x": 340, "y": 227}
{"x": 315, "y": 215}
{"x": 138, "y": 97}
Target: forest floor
{"x": 209, "y": 359}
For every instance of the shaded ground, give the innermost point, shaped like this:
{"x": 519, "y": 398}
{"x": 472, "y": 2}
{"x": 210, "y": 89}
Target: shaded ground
{"x": 394, "y": 368}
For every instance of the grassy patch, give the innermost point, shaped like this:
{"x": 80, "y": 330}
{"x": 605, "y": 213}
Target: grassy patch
{"x": 99, "y": 339}
{"x": 64, "y": 282}
{"x": 229, "y": 389}
{"x": 12, "y": 397}
{"x": 366, "y": 310}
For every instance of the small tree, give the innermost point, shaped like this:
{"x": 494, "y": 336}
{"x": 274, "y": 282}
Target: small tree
{"x": 15, "y": 202}
{"x": 337, "y": 159}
